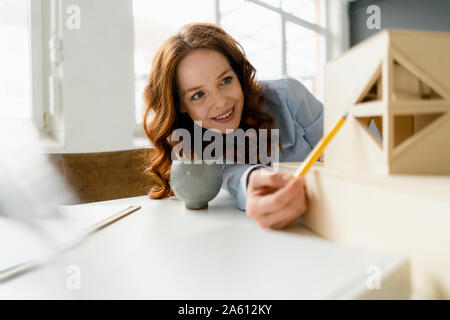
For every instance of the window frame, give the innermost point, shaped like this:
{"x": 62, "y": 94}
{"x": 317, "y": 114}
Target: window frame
{"x": 35, "y": 29}
{"x": 40, "y": 31}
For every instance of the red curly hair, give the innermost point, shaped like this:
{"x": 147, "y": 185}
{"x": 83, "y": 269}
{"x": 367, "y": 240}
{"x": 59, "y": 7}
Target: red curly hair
{"x": 161, "y": 96}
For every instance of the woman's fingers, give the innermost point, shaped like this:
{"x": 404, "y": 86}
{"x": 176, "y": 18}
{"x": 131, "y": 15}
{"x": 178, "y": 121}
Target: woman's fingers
{"x": 287, "y": 215}
{"x": 275, "y": 200}
{"x": 277, "y": 219}
{"x": 281, "y": 198}
{"x": 262, "y": 178}
{"x": 285, "y": 223}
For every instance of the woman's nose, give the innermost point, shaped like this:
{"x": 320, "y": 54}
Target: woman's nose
{"x": 218, "y": 100}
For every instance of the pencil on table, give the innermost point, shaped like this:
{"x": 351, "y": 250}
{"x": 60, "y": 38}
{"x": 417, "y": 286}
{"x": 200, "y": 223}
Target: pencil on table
{"x": 319, "y": 148}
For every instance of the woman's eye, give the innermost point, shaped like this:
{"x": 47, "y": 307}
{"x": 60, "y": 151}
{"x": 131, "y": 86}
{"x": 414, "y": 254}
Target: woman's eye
{"x": 227, "y": 80}
{"x": 197, "y": 96}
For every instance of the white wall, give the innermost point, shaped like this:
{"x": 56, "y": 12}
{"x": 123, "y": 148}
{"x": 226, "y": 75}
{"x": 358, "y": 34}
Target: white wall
{"x": 97, "y": 112}
{"x": 98, "y": 90}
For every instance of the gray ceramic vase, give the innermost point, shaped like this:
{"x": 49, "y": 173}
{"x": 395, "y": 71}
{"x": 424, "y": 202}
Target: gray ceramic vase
{"x": 195, "y": 183}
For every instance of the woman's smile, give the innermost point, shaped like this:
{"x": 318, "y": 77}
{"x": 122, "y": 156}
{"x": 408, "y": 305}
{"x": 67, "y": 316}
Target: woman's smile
{"x": 226, "y": 116}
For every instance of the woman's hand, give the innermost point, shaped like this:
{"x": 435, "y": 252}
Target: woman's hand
{"x": 275, "y": 200}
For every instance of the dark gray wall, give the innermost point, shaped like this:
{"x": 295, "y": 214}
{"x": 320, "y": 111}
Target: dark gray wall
{"x": 430, "y": 15}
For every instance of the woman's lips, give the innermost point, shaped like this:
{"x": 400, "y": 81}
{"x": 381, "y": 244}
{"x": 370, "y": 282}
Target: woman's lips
{"x": 229, "y": 118}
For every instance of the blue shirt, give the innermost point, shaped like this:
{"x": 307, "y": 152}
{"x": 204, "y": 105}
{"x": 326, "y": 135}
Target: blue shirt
{"x": 299, "y": 117}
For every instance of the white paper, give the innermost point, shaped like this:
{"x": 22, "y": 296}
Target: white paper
{"x": 22, "y": 242}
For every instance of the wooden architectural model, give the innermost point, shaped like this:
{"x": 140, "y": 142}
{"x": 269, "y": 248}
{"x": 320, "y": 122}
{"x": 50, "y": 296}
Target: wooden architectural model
{"x": 396, "y": 88}
{"x": 398, "y": 84}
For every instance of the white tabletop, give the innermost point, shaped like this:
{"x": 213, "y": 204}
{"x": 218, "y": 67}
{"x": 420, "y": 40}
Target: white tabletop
{"x": 165, "y": 251}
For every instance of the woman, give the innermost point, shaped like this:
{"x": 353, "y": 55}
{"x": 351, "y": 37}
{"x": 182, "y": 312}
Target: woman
{"x": 202, "y": 74}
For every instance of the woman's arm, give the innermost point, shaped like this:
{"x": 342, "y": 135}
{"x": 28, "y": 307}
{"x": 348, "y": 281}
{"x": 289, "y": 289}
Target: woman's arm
{"x": 235, "y": 180}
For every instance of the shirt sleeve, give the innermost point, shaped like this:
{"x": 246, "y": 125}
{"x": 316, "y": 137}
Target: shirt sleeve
{"x": 235, "y": 178}
{"x": 306, "y": 110}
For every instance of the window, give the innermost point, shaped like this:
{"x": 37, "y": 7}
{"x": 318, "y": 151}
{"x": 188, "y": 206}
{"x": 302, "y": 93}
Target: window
{"x": 309, "y": 10}
{"x": 305, "y": 57}
{"x": 280, "y": 37}
{"x": 258, "y": 30}
{"x": 153, "y": 24}
{"x": 15, "y": 75}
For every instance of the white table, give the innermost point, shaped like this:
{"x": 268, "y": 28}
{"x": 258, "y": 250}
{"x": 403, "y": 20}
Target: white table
{"x": 165, "y": 251}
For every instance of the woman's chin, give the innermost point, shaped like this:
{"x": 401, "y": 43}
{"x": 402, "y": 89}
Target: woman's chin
{"x": 228, "y": 129}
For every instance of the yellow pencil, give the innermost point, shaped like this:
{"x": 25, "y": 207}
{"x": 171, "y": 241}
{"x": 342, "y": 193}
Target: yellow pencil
{"x": 319, "y": 148}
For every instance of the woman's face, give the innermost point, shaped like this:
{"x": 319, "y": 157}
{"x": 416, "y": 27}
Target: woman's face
{"x": 209, "y": 90}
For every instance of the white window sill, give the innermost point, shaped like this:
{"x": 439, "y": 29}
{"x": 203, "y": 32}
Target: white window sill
{"x": 51, "y": 145}
{"x": 17, "y": 133}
